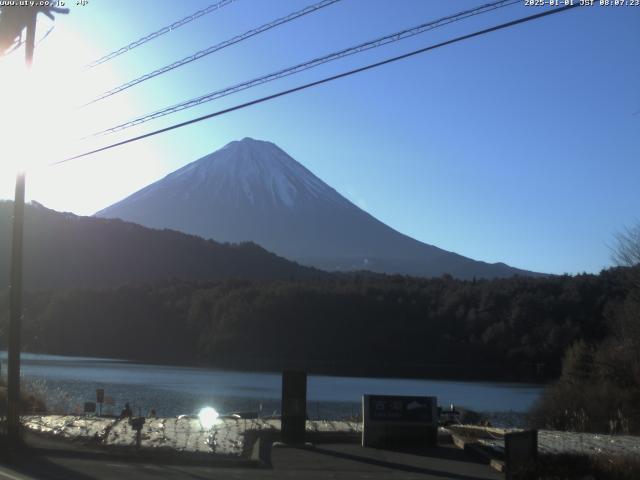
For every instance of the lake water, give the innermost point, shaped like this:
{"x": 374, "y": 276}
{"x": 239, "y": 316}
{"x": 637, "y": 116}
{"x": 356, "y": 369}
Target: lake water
{"x": 68, "y": 382}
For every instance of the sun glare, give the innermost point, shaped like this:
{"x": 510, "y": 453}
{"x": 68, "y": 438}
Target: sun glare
{"x": 35, "y": 104}
{"x": 208, "y": 417}
{"x": 42, "y": 122}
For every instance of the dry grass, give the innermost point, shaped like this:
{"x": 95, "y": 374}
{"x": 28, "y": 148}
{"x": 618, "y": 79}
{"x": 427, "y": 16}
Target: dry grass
{"x": 30, "y": 401}
{"x": 584, "y": 467}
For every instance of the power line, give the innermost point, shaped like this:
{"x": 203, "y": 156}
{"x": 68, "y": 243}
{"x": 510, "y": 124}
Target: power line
{"x": 319, "y": 82}
{"x": 214, "y": 48}
{"x": 162, "y": 31}
{"x": 394, "y": 37}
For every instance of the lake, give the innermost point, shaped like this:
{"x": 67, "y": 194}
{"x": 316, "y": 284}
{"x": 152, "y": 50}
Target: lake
{"x": 68, "y": 382}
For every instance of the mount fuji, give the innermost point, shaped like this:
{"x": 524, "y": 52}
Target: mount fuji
{"x": 252, "y": 190}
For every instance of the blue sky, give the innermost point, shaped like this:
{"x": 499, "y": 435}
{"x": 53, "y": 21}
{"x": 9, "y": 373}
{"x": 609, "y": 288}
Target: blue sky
{"x": 520, "y": 146}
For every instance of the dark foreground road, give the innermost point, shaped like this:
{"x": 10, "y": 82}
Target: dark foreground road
{"x": 330, "y": 461}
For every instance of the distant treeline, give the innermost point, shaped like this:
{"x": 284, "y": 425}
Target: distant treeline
{"x": 516, "y": 328}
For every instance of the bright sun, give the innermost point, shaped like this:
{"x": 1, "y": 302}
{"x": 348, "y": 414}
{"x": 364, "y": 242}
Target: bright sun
{"x": 36, "y": 106}
{"x": 41, "y": 122}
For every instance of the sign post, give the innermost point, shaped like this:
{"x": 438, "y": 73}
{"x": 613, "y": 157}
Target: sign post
{"x": 100, "y": 399}
{"x": 136, "y": 424}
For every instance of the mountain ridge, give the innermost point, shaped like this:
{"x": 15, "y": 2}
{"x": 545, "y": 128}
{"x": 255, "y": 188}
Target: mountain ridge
{"x": 63, "y": 250}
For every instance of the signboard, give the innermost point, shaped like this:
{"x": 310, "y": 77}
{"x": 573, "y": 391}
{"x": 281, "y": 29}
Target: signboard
{"x": 394, "y": 420}
{"x": 401, "y": 409}
{"x": 100, "y": 395}
{"x": 89, "y": 407}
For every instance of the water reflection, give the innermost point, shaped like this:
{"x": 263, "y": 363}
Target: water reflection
{"x": 172, "y": 390}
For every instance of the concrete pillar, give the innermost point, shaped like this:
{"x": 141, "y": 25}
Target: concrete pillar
{"x": 294, "y": 407}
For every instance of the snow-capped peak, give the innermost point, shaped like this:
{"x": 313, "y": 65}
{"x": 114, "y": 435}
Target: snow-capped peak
{"x": 260, "y": 171}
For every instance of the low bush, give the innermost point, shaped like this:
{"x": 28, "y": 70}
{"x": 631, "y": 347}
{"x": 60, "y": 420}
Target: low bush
{"x": 584, "y": 467}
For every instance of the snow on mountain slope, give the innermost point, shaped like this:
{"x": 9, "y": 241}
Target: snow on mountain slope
{"x": 247, "y": 170}
{"x": 252, "y": 190}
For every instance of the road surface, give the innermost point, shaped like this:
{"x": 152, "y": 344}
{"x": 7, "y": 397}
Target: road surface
{"x": 325, "y": 461}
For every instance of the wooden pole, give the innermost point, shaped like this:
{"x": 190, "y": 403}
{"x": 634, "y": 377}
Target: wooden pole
{"x": 15, "y": 316}
{"x": 15, "y": 288}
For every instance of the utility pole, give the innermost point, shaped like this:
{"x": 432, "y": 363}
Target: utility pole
{"x": 15, "y": 315}
{"x": 13, "y": 21}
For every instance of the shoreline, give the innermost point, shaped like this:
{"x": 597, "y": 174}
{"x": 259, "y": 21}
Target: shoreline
{"x": 227, "y": 437}
{"x": 235, "y": 437}
{"x": 316, "y": 372}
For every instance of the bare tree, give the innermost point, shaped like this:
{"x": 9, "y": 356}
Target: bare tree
{"x": 626, "y": 252}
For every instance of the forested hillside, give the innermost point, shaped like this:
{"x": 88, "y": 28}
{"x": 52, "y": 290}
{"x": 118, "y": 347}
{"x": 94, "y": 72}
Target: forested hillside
{"x": 63, "y": 250}
{"x": 508, "y": 328}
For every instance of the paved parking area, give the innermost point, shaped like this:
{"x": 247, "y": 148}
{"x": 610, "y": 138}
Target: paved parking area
{"x": 328, "y": 461}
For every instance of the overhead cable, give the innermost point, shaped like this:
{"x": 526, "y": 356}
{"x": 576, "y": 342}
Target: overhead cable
{"x": 214, "y": 48}
{"x": 319, "y": 82}
{"x": 378, "y": 42}
{"x": 158, "y": 33}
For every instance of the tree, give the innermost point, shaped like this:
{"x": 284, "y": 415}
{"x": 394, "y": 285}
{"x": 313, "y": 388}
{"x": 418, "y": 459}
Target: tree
{"x": 626, "y": 252}
{"x": 599, "y": 389}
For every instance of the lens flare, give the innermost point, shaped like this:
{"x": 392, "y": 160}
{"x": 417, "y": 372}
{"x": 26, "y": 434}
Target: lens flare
{"x": 208, "y": 417}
